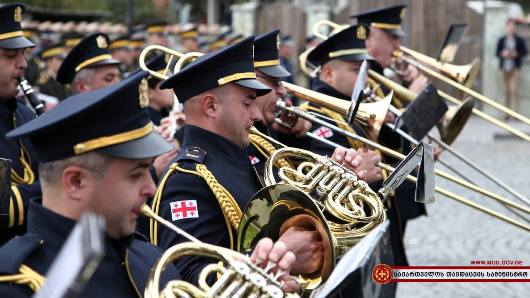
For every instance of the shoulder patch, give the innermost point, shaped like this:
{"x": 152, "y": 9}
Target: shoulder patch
{"x": 14, "y": 252}
{"x": 184, "y": 209}
{"x": 195, "y": 154}
{"x": 323, "y": 132}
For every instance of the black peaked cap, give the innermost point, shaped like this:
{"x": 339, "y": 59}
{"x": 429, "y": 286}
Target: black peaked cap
{"x": 347, "y": 45}
{"x": 112, "y": 120}
{"x": 231, "y": 64}
{"x": 92, "y": 51}
{"x": 266, "y": 58}
{"x": 11, "y": 34}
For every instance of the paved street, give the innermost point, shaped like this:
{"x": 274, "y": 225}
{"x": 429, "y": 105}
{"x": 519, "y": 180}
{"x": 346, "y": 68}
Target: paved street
{"x": 454, "y": 234}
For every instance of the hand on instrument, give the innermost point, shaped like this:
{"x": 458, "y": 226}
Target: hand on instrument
{"x": 298, "y": 126}
{"x": 362, "y": 162}
{"x": 306, "y": 244}
{"x": 268, "y": 253}
{"x": 416, "y": 80}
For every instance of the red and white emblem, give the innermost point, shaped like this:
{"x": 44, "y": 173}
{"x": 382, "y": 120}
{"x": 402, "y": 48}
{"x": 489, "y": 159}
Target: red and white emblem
{"x": 323, "y": 132}
{"x": 184, "y": 209}
{"x": 253, "y": 159}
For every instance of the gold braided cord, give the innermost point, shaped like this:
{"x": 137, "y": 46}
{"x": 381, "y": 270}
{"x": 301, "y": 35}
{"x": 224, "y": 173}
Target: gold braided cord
{"x": 29, "y": 176}
{"x": 266, "y": 149}
{"x": 225, "y": 198}
{"x": 20, "y": 204}
{"x": 231, "y": 211}
{"x": 155, "y": 206}
{"x": 339, "y": 121}
{"x": 11, "y": 213}
{"x": 376, "y": 87}
{"x": 25, "y": 276}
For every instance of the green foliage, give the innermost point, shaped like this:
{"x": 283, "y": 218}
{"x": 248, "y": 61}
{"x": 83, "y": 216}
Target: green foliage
{"x": 143, "y": 9}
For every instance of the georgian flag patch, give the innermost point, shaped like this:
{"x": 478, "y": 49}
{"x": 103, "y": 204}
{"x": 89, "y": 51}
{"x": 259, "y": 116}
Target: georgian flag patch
{"x": 184, "y": 209}
{"x": 253, "y": 159}
{"x": 323, "y": 132}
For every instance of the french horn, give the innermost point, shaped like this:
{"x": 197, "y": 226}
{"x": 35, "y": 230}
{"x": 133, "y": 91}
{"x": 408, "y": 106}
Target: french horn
{"x": 237, "y": 276}
{"x": 316, "y": 194}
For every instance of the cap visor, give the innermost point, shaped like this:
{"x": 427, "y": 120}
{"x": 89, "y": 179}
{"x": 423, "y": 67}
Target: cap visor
{"x": 105, "y": 62}
{"x": 396, "y": 32}
{"x": 275, "y": 71}
{"x": 261, "y": 89}
{"x": 149, "y": 146}
{"x": 356, "y": 57}
{"x": 16, "y": 43}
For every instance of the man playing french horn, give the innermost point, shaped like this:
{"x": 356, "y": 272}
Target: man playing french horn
{"x": 212, "y": 179}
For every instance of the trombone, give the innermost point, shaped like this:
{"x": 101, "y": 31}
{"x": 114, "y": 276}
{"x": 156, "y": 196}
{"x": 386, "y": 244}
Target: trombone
{"x": 339, "y": 106}
{"x": 300, "y": 113}
{"x": 406, "y": 94}
{"x": 448, "y": 132}
{"x": 458, "y": 76}
{"x": 418, "y": 60}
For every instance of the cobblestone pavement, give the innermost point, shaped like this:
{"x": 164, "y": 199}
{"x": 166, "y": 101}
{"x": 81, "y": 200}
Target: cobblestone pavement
{"x": 454, "y": 234}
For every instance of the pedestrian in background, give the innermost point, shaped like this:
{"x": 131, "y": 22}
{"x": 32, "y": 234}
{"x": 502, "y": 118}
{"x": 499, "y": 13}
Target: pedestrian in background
{"x": 511, "y": 50}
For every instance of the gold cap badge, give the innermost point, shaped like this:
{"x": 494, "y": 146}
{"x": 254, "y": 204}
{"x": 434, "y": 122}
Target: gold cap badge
{"x": 361, "y": 33}
{"x": 403, "y": 10}
{"x": 278, "y": 41}
{"x": 18, "y": 14}
{"x": 102, "y": 42}
{"x": 143, "y": 91}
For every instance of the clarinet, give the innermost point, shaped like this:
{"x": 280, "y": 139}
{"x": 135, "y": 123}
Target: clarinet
{"x": 37, "y": 105}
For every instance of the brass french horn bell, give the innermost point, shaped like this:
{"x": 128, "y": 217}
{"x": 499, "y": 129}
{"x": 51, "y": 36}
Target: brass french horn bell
{"x": 317, "y": 194}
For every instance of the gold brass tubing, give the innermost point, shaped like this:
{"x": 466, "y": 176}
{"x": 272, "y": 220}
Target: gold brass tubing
{"x": 462, "y": 88}
{"x": 489, "y": 118}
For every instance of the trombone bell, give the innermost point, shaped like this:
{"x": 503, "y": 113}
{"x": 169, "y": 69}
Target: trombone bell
{"x": 454, "y": 121}
{"x": 368, "y": 113}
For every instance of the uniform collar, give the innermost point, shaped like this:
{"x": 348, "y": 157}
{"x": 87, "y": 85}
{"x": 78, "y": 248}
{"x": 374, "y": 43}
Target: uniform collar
{"x": 214, "y": 145}
{"x": 323, "y": 87}
{"x": 54, "y": 229}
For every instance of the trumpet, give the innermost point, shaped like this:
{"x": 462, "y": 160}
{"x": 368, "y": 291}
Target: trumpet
{"x": 238, "y": 278}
